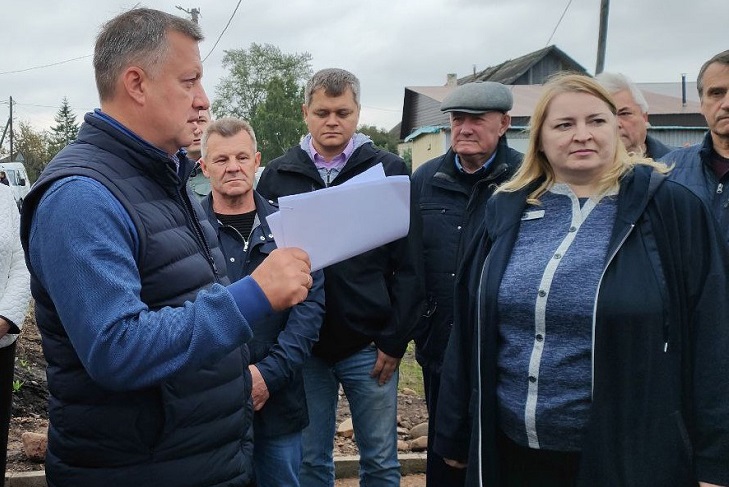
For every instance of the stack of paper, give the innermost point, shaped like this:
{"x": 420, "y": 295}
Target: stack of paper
{"x": 339, "y": 222}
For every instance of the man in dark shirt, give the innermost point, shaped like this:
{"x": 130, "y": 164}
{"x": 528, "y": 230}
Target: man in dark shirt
{"x": 283, "y": 341}
{"x": 704, "y": 167}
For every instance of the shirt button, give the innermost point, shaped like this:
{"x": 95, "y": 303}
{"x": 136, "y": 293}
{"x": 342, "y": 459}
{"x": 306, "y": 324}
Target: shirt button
{"x": 459, "y": 227}
{"x": 232, "y": 259}
{"x": 453, "y": 275}
{"x": 573, "y": 229}
{"x": 539, "y": 337}
{"x": 532, "y": 379}
{"x": 542, "y": 293}
{"x": 262, "y": 237}
{"x": 557, "y": 256}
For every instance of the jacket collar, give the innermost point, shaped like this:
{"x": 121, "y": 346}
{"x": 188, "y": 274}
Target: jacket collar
{"x": 264, "y": 208}
{"x": 301, "y": 163}
{"x": 107, "y": 134}
{"x": 447, "y": 174}
{"x": 637, "y": 188}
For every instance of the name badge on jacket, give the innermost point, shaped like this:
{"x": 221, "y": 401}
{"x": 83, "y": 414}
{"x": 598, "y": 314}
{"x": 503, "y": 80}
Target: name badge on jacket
{"x": 532, "y": 215}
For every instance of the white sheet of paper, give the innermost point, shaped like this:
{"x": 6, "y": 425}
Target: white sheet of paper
{"x": 339, "y": 222}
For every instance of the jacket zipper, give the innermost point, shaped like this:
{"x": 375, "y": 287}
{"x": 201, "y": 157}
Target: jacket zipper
{"x": 478, "y": 369}
{"x": 246, "y": 242}
{"x": 594, "y": 309}
{"x": 187, "y": 204}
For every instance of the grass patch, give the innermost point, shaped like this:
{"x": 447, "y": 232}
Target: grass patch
{"x": 411, "y": 375}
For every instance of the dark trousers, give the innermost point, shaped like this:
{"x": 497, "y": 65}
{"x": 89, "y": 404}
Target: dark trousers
{"x": 528, "y": 467}
{"x": 7, "y": 371}
{"x": 437, "y": 472}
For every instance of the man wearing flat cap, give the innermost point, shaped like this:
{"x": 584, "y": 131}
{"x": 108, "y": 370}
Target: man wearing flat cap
{"x": 452, "y": 191}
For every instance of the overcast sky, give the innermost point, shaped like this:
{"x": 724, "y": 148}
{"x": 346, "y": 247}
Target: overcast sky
{"x": 388, "y": 44}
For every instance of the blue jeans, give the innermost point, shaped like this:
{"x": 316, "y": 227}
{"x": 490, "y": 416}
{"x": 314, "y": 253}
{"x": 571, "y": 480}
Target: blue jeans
{"x": 277, "y": 460}
{"x": 374, "y": 416}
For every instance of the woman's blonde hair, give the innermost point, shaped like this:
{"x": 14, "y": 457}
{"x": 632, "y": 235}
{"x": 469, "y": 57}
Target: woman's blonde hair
{"x": 536, "y": 167}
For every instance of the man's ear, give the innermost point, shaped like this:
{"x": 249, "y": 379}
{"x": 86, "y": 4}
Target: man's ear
{"x": 204, "y": 167}
{"x": 258, "y": 160}
{"x": 134, "y": 83}
{"x": 304, "y": 111}
{"x": 505, "y": 123}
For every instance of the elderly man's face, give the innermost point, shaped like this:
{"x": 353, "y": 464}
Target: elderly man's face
{"x": 632, "y": 122}
{"x": 474, "y": 137}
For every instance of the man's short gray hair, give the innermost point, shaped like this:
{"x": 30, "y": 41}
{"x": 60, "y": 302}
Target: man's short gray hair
{"x": 136, "y": 37}
{"x": 614, "y": 82}
{"x": 721, "y": 58}
{"x": 227, "y": 127}
{"x": 334, "y": 82}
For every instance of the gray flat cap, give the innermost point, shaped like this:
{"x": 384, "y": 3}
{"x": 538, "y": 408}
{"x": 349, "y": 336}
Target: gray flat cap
{"x": 478, "y": 97}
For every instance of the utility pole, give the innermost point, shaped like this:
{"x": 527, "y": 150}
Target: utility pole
{"x": 194, "y": 13}
{"x": 11, "y": 129}
{"x": 602, "y": 35}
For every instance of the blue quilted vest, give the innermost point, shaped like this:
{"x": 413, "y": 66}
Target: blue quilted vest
{"x": 185, "y": 432}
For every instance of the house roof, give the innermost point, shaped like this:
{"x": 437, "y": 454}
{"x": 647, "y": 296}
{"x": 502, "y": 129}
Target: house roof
{"x": 428, "y": 129}
{"x": 526, "y": 96}
{"x": 509, "y": 71}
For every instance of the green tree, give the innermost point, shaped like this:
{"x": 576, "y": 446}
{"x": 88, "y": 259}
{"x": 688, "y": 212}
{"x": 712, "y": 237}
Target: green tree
{"x": 278, "y": 121}
{"x": 407, "y": 156}
{"x": 381, "y": 137}
{"x": 34, "y": 146}
{"x": 66, "y": 129}
{"x": 246, "y": 87}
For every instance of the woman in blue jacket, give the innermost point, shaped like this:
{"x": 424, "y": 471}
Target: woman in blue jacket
{"x": 591, "y": 337}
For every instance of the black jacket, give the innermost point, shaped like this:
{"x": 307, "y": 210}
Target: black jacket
{"x": 375, "y": 296}
{"x": 186, "y": 431}
{"x": 655, "y": 149}
{"x": 659, "y": 413}
{"x": 452, "y": 213}
{"x": 282, "y": 341}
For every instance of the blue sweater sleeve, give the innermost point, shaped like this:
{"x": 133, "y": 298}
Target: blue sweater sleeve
{"x": 82, "y": 247}
{"x": 296, "y": 340}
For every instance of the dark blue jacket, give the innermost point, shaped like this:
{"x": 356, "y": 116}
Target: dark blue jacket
{"x": 659, "y": 414}
{"x": 449, "y": 211}
{"x": 375, "y": 296}
{"x": 283, "y": 341}
{"x": 692, "y": 167}
{"x": 186, "y": 430}
{"x": 655, "y": 149}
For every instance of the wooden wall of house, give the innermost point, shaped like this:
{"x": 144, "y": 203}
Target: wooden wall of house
{"x": 428, "y": 146}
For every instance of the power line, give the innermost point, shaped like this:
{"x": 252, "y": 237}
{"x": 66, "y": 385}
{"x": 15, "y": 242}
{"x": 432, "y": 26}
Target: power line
{"x": 45, "y": 65}
{"x": 224, "y": 29}
{"x": 558, "y": 22}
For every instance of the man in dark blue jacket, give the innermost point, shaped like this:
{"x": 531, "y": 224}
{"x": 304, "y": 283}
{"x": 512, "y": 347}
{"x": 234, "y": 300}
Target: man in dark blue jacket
{"x": 705, "y": 167}
{"x": 282, "y": 342}
{"x": 143, "y": 335}
{"x": 452, "y": 191}
{"x": 373, "y": 300}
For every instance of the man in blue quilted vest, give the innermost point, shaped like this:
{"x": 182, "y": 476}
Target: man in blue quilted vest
{"x": 143, "y": 334}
